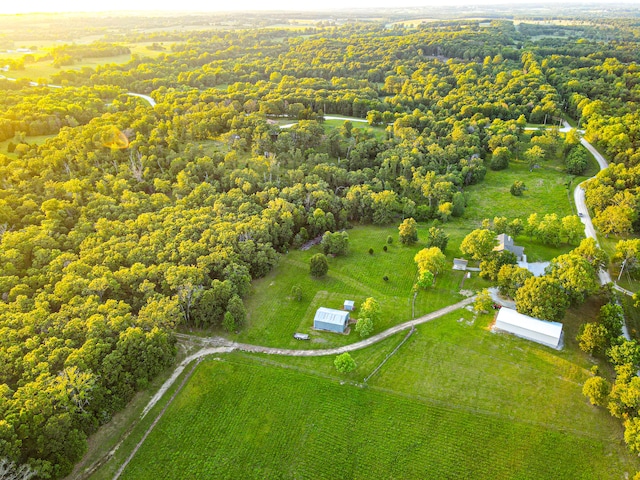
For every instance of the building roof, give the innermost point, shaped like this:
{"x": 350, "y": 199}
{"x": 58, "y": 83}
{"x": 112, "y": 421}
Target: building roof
{"x": 529, "y": 327}
{"x": 332, "y": 316}
{"x": 505, "y": 242}
{"x": 460, "y": 264}
{"x": 349, "y": 303}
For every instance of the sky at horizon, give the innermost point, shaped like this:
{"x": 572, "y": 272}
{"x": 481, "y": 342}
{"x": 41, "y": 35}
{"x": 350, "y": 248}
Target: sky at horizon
{"x": 48, "y": 6}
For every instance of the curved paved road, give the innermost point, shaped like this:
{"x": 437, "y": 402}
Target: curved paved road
{"x": 151, "y": 101}
{"x": 590, "y": 231}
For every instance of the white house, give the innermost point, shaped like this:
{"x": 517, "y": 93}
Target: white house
{"x": 534, "y": 329}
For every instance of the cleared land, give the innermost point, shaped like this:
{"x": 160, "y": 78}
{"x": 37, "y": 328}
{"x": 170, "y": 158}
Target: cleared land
{"x": 455, "y": 400}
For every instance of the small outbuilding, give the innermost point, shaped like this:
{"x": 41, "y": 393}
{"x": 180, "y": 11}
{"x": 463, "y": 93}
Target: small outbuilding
{"x": 534, "y": 329}
{"x": 349, "y": 305}
{"x": 331, "y": 320}
{"x": 460, "y": 264}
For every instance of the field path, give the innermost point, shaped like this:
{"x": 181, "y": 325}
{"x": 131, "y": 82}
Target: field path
{"x": 217, "y": 345}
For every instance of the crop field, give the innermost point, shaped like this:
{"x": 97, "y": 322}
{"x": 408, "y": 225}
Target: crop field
{"x": 455, "y": 402}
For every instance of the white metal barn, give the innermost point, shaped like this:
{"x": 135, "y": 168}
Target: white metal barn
{"x": 331, "y": 320}
{"x": 536, "y": 330}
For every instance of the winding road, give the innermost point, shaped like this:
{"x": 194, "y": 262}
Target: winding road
{"x": 150, "y": 100}
{"x": 590, "y": 231}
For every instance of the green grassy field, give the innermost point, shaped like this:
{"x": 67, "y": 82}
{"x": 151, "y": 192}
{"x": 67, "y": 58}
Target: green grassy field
{"x": 44, "y": 69}
{"x": 456, "y": 401}
{"x": 35, "y": 140}
{"x": 274, "y": 316}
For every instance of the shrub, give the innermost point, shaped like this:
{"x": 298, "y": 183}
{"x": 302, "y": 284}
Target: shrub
{"x": 385, "y": 248}
{"x": 518, "y": 188}
{"x": 296, "y": 293}
{"x": 371, "y": 251}
{"x": 389, "y": 239}
{"x": 364, "y": 327}
{"x": 318, "y": 265}
{"x": 344, "y": 363}
{"x": 386, "y": 278}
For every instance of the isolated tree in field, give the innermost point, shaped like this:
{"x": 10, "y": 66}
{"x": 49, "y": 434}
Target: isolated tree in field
{"x": 597, "y": 390}
{"x": 500, "y": 158}
{"x": 511, "y": 278}
{"x": 370, "y": 308}
{"x": 542, "y": 297}
{"x": 364, "y": 326}
{"x": 437, "y": 238}
{"x": 577, "y": 161}
{"x": 318, "y": 265}
{"x": 478, "y": 244}
{"x": 408, "y": 231}
{"x": 296, "y": 293}
{"x": 589, "y": 250}
{"x": 534, "y": 156}
{"x": 592, "y": 338}
{"x": 344, "y": 363}
{"x": 484, "y": 302}
{"x": 517, "y": 188}
{"x": 431, "y": 259}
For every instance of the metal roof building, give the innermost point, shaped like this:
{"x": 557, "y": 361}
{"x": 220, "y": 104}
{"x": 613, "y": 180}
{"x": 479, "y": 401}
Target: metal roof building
{"x": 331, "y": 320}
{"x": 536, "y": 330}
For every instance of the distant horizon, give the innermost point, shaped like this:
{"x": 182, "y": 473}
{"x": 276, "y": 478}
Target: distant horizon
{"x": 197, "y": 6}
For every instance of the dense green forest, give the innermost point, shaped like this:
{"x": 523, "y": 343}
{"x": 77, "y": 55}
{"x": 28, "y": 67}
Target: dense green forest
{"x": 130, "y": 220}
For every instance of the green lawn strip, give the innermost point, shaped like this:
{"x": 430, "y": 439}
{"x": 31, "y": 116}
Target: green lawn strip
{"x": 105, "y": 439}
{"x": 235, "y": 420}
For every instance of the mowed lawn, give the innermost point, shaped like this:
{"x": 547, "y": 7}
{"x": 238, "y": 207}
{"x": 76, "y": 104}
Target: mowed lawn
{"x": 274, "y": 315}
{"x": 456, "y": 401}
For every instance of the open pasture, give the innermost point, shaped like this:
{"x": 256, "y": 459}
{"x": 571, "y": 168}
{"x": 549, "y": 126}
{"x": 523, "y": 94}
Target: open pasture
{"x": 242, "y": 418}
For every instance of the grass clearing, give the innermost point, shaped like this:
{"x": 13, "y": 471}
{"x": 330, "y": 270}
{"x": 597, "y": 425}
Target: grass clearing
{"x": 34, "y": 140}
{"x": 247, "y": 417}
{"x": 274, "y": 316}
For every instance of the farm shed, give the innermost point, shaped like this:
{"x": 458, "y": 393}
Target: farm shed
{"x": 331, "y": 320}
{"x": 349, "y": 305}
{"x": 534, "y": 329}
{"x": 460, "y": 264}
